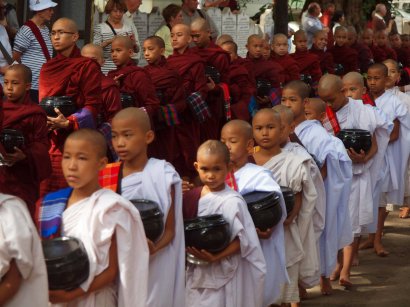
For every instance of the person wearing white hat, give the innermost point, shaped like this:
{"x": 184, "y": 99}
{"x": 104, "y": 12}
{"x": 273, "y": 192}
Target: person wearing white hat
{"x": 32, "y": 45}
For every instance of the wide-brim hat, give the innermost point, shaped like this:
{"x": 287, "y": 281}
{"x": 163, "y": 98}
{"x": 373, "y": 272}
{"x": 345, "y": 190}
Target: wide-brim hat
{"x": 39, "y": 5}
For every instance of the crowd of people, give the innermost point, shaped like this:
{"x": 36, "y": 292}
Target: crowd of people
{"x": 195, "y": 131}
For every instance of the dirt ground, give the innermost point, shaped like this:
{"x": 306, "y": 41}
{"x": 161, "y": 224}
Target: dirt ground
{"x": 378, "y": 281}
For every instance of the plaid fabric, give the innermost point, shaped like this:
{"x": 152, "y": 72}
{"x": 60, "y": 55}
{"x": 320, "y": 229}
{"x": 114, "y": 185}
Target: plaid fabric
{"x": 367, "y": 99}
{"x": 231, "y": 181}
{"x": 199, "y": 107}
{"x": 275, "y": 96}
{"x": 169, "y": 114}
{"x": 109, "y": 176}
{"x": 50, "y": 213}
{"x": 105, "y": 129}
{"x": 330, "y": 122}
{"x": 253, "y": 106}
{"x": 227, "y": 101}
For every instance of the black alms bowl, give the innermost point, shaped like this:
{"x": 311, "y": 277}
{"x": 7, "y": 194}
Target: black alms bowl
{"x": 264, "y": 208}
{"x": 67, "y": 263}
{"x": 263, "y": 88}
{"x": 64, "y": 103}
{"x": 11, "y": 138}
{"x": 127, "y": 101}
{"x": 357, "y": 139}
{"x": 209, "y": 232}
{"x": 151, "y": 216}
{"x": 289, "y": 198}
{"x": 213, "y": 73}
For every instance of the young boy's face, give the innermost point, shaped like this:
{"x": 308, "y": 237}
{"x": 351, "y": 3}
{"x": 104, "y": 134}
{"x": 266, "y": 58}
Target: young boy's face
{"x": 200, "y": 38}
{"x": 152, "y": 52}
{"x": 267, "y": 130}
{"x": 395, "y": 41}
{"x": 312, "y": 113}
{"x": 129, "y": 140}
{"x": 266, "y": 50}
{"x": 120, "y": 54}
{"x": 15, "y": 88}
{"x": 376, "y": 80}
{"x": 92, "y": 53}
{"x": 394, "y": 75}
{"x": 405, "y": 41}
{"x": 320, "y": 41}
{"x": 180, "y": 38}
{"x": 239, "y": 146}
{"x": 341, "y": 38}
{"x": 367, "y": 38}
{"x": 381, "y": 39}
{"x": 335, "y": 99}
{"x": 212, "y": 170}
{"x": 280, "y": 46}
{"x": 353, "y": 89}
{"x": 300, "y": 42}
{"x": 81, "y": 163}
{"x": 230, "y": 49}
{"x": 291, "y": 99}
{"x": 255, "y": 47}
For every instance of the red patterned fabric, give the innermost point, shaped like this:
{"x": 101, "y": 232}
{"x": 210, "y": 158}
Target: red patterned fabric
{"x": 367, "y": 99}
{"x": 231, "y": 181}
{"x": 109, "y": 177}
{"x": 330, "y": 123}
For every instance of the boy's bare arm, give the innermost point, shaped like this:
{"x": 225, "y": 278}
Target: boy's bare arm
{"x": 233, "y": 248}
{"x": 295, "y": 210}
{"x": 10, "y": 283}
{"x": 323, "y": 170}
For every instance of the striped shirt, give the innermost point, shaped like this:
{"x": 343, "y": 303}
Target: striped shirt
{"x": 31, "y": 52}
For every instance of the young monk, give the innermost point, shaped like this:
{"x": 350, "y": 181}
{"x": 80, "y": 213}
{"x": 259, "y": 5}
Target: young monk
{"x": 336, "y": 170}
{"x": 137, "y": 177}
{"x": 266, "y": 50}
{"x": 235, "y": 276}
{"x": 132, "y": 79}
{"x": 318, "y": 48}
{"x": 25, "y": 168}
{"x": 353, "y": 114}
{"x": 405, "y": 40}
{"x": 365, "y": 55}
{"x": 246, "y": 178}
{"x": 353, "y": 86}
{"x": 403, "y": 55}
{"x": 241, "y": 86}
{"x": 344, "y": 55}
{"x": 397, "y": 153}
{"x": 108, "y": 225}
{"x": 170, "y": 92}
{"x": 191, "y": 68}
{"x": 223, "y": 38}
{"x": 381, "y": 50}
{"x": 308, "y": 63}
{"x": 68, "y": 74}
{"x": 290, "y": 170}
{"x": 367, "y": 37}
{"x": 281, "y": 56}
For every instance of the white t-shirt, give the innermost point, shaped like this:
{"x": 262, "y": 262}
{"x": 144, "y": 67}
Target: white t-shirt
{"x": 4, "y": 39}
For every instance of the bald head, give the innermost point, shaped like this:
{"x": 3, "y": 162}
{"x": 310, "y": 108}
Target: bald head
{"x": 22, "y": 70}
{"x": 156, "y": 40}
{"x": 222, "y": 39}
{"x": 379, "y": 67}
{"x": 123, "y": 41}
{"x": 94, "y": 52}
{"x": 93, "y": 137}
{"x": 254, "y": 37}
{"x": 319, "y": 33}
{"x": 392, "y": 62}
{"x": 200, "y": 24}
{"x": 317, "y": 104}
{"x": 243, "y": 127}
{"x": 340, "y": 29}
{"x": 214, "y": 147}
{"x": 300, "y": 87}
{"x": 286, "y": 113}
{"x": 299, "y": 34}
{"x": 274, "y": 115}
{"x": 353, "y": 77}
{"x": 330, "y": 83}
{"x": 136, "y": 115}
{"x": 279, "y": 37}
{"x": 66, "y": 24}
{"x": 181, "y": 28}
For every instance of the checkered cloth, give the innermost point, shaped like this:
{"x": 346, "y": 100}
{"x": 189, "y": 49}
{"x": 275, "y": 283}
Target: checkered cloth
{"x": 330, "y": 122}
{"x": 231, "y": 181}
{"x": 275, "y": 96}
{"x": 199, "y": 107}
{"x": 109, "y": 177}
{"x": 367, "y": 99}
{"x": 169, "y": 114}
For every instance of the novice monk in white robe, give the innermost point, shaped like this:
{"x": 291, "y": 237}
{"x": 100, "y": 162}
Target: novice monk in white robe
{"x": 23, "y": 275}
{"x": 235, "y": 276}
{"x": 335, "y": 166}
{"x": 246, "y": 178}
{"x": 302, "y": 259}
{"x": 137, "y": 177}
{"x": 107, "y": 224}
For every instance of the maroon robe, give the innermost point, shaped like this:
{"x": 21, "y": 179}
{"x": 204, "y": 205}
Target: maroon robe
{"x": 345, "y": 56}
{"x": 403, "y": 56}
{"x": 383, "y": 53}
{"x": 290, "y": 67}
{"x": 80, "y": 78}
{"x": 266, "y": 70}
{"x": 327, "y": 66}
{"x": 365, "y": 56}
{"x": 309, "y": 64}
{"x": 168, "y": 85}
{"x": 136, "y": 82}
{"x": 24, "y": 177}
{"x": 111, "y": 99}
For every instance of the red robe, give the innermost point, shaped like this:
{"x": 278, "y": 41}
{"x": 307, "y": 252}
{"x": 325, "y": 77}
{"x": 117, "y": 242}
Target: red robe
{"x": 383, "y": 53}
{"x": 191, "y": 68}
{"x": 136, "y": 82}
{"x": 111, "y": 99}
{"x": 168, "y": 84}
{"x": 23, "y": 178}
{"x": 290, "y": 67}
{"x": 365, "y": 56}
{"x": 79, "y": 78}
{"x": 403, "y": 56}
{"x": 327, "y": 66}
{"x": 266, "y": 70}
{"x": 309, "y": 64}
{"x": 345, "y": 56}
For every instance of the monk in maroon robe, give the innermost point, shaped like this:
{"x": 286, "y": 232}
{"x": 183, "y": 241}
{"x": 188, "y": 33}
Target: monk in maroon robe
{"x": 68, "y": 74}
{"x": 403, "y": 54}
{"x": 281, "y": 57}
{"x": 191, "y": 68}
{"x": 327, "y": 66}
{"x": 381, "y": 50}
{"x": 344, "y": 55}
{"x": 171, "y": 93}
{"x": 217, "y": 58}
{"x": 30, "y": 164}
{"x": 365, "y": 55}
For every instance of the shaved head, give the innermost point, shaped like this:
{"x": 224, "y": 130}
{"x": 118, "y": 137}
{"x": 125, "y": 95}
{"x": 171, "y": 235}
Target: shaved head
{"x": 299, "y": 87}
{"x": 393, "y": 62}
{"x": 224, "y": 38}
{"x": 214, "y": 147}
{"x": 253, "y": 37}
{"x": 340, "y": 29}
{"x": 140, "y": 117}
{"x": 67, "y": 24}
{"x": 279, "y": 36}
{"x": 267, "y": 111}
{"x": 91, "y": 136}
{"x": 319, "y": 33}
{"x": 94, "y": 52}
{"x": 124, "y": 41}
{"x": 330, "y": 82}
{"x": 286, "y": 113}
{"x": 300, "y": 34}
{"x": 244, "y": 127}
{"x": 200, "y": 24}
{"x": 156, "y": 40}
{"x": 354, "y": 77}
{"x": 380, "y": 67}
{"x": 181, "y": 28}
{"x": 23, "y": 70}
{"x": 352, "y": 30}
{"x": 317, "y": 105}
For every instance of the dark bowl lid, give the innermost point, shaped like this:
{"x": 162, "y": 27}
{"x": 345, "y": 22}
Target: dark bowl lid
{"x": 286, "y": 191}
{"x": 354, "y": 132}
{"x": 204, "y": 222}
{"x": 51, "y": 100}
{"x": 126, "y": 96}
{"x": 257, "y": 197}
{"x": 147, "y": 208}
{"x": 60, "y": 248}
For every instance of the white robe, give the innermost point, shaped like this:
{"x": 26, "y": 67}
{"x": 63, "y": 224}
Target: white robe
{"x": 293, "y": 171}
{"x": 397, "y": 156}
{"x": 166, "y": 286}
{"x": 330, "y": 150}
{"x": 93, "y": 221}
{"x": 237, "y": 280}
{"x": 19, "y": 240}
{"x": 252, "y": 178}
{"x": 356, "y": 115}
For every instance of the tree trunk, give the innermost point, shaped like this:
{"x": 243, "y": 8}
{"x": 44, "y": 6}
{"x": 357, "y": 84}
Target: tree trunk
{"x": 281, "y": 16}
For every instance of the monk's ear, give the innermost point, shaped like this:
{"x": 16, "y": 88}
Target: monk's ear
{"x": 305, "y": 101}
{"x": 364, "y": 90}
{"x": 102, "y": 163}
{"x": 28, "y": 86}
{"x": 249, "y": 145}
{"x": 149, "y": 137}
{"x": 196, "y": 165}
{"x": 162, "y": 51}
{"x": 76, "y": 36}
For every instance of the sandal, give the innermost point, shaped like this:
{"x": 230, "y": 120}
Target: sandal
{"x": 404, "y": 213}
